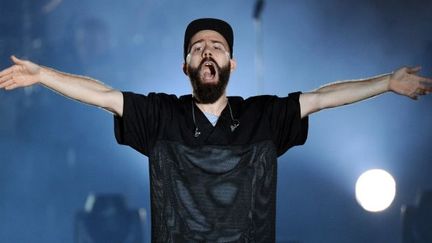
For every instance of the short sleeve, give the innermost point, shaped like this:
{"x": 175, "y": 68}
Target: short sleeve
{"x": 140, "y": 123}
{"x": 288, "y": 128}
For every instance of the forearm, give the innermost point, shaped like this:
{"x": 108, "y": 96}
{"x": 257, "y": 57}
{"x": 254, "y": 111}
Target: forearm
{"x": 83, "y": 89}
{"x": 343, "y": 93}
{"x": 348, "y": 92}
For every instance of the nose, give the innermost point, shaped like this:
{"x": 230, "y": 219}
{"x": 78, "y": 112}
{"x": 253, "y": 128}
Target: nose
{"x": 207, "y": 52}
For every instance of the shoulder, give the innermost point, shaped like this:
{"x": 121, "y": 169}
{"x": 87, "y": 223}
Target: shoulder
{"x": 131, "y": 97}
{"x": 263, "y": 100}
{"x": 153, "y": 95}
{"x": 155, "y": 103}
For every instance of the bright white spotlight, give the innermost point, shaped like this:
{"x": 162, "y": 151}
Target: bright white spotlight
{"x": 375, "y": 190}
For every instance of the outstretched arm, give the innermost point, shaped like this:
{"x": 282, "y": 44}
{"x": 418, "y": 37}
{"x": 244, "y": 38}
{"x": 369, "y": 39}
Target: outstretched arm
{"x": 84, "y": 89}
{"x": 404, "y": 81}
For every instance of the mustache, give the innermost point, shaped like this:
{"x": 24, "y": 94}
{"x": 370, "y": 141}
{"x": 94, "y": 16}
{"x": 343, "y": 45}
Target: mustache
{"x": 207, "y": 59}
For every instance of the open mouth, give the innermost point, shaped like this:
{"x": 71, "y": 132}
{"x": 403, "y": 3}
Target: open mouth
{"x": 211, "y": 67}
{"x": 208, "y": 71}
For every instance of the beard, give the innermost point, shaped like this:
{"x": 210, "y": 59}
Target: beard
{"x": 209, "y": 93}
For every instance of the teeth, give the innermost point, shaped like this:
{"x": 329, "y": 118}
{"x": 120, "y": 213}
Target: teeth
{"x": 210, "y": 66}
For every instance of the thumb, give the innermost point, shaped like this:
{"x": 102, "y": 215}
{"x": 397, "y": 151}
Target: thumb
{"x": 17, "y": 60}
{"x": 413, "y": 70}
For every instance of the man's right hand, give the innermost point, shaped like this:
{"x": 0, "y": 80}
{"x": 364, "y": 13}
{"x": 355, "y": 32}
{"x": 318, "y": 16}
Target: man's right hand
{"x": 84, "y": 89}
{"x": 21, "y": 74}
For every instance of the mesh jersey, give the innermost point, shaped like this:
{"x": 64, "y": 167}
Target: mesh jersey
{"x": 221, "y": 186}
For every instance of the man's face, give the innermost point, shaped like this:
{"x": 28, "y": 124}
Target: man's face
{"x": 208, "y": 65}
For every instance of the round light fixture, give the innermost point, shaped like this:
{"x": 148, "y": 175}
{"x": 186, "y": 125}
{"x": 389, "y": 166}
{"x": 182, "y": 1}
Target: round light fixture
{"x": 375, "y": 190}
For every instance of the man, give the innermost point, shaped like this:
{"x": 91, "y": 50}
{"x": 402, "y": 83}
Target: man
{"x": 212, "y": 157}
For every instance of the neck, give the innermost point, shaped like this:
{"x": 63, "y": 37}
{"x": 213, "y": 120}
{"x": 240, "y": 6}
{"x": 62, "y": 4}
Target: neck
{"x": 215, "y": 108}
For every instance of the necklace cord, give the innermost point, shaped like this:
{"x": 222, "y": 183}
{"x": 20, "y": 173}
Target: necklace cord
{"x": 197, "y": 132}
{"x": 233, "y": 126}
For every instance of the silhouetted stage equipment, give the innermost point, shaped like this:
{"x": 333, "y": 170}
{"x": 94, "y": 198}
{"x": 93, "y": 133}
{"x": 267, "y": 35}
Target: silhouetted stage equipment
{"x": 106, "y": 219}
{"x": 417, "y": 220}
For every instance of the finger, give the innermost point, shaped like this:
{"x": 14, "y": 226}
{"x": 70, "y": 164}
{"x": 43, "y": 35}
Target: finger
{"x": 11, "y": 87}
{"x": 6, "y": 71}
{"x": 6, "y": 84}
{"x": 5, "y": 78}
{"x": 420, "y": 91}
{"x": 423, "y": 89}
{"x": 427, "y": 87}
{"x": 425, "y": 84}
{"x": 413, "y": 70}
{"x": 427, "y": 81}
{"x": 17, "y": 60}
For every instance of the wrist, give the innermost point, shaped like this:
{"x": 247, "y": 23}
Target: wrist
{"x": 382, "y": 83}
{"x": 44, "y": 75}
{"x": 388, "y": 78}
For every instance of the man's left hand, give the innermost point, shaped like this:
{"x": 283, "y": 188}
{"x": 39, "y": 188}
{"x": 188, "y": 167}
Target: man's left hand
{"x": 405, "y": 81}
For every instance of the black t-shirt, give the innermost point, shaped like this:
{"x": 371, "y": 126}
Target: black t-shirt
{"x": 221, "y": 185}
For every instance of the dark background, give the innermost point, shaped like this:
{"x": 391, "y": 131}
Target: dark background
{"x": 54, "y": 152}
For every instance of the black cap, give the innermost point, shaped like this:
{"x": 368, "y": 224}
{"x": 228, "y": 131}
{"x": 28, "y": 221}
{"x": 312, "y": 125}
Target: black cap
{"x": 217, "y": 25}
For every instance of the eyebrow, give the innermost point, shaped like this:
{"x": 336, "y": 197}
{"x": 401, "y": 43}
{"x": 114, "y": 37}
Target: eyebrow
{"x": 201, "y": 40}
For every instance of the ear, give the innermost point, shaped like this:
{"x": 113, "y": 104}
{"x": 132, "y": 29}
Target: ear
{"x": 185, "y": 69}
{"x": 233, "y": 64}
